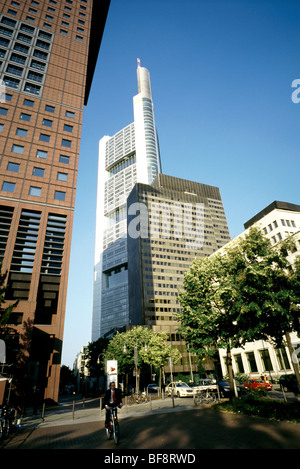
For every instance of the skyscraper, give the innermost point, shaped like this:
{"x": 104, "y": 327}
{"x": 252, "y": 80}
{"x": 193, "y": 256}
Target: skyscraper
{"x": 130, "y": 156}
{"x": 175, "y": 221}
{"x": 48, "y": 52}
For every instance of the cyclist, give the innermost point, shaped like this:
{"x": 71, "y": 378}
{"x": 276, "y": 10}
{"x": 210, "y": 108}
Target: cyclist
{"x": 112, "y": 397}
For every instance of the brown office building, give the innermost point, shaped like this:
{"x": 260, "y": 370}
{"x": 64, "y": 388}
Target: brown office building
{"x": 173, "y": 222}
{"x": 48, "y": 53}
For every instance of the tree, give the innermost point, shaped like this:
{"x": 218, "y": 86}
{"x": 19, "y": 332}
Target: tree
{"x": 206, "y": 317}
{"x": 248, "y": 292}
{"x": 96, "y": 356}
{"x": 138, "y": 346}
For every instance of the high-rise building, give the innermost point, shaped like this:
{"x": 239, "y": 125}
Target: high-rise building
{"x": 48, "y": 52}
{"x": 170, "y": 223}
{"x": 130, "y": 156}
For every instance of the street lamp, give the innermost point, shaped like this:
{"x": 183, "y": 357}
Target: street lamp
{"x": 135, "y": 363}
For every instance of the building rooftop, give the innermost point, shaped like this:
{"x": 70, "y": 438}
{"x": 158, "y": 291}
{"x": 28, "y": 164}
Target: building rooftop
{"x": 274, "y": 205}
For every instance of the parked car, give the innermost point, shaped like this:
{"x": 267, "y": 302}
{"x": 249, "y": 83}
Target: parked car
{"x": 257, "y": 383}
{"x": 289, "y": 383}
{"x": 152, "y": 388}
{"x": 224, "y": 388}
{"x": 202, "y": 384}
{"x": 179, "y": 389}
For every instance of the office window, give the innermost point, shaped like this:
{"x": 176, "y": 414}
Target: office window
{"x": 24, "y": 38}
{"x": 47, "y": 122}
{"x": 14, "y": 167}
{"x": 44, "y": 138}
{"x": 17, "y": 149}
{"x": 6, "y": 97}
{"x": 38, "y": 65}
{"x": 70, "y": 114}
{"x": 66, "y": 143}
{"x": 20, "y": 59}
{"x": 8, "y": 186}
{"x": 28, "y": 102}
{"x": 44, "y": 35}
{"x": 25, "y": 117}
{"x": 22, "y": 132}
{"x": 30, "y": 88}
{"x": 35, "y": 191}
{"x": 21, "y": 48}
{"x": 40, "y": 54}
{"x": 49, "y": 108}
{"x": 35, "y": 76}
{"x": 59, "y": 195}
{"x": 39, "y": 172}
{"x": 64, "y": 159}
{"x": 1, "y": 127}
{"x": 42, "y": 154}
{"x": 11, "y": 82}
{"x": 3, "y": 111}
{"x": 68, "y": 128}
{"x": 62, "y": 177}
{"x": 42, "y": 44}
{"x": 14, "y": 70}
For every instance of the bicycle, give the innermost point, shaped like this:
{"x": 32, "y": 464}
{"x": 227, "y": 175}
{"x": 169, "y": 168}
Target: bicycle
{"x": 205, "y": 397}
{"x": 113, "y": 429}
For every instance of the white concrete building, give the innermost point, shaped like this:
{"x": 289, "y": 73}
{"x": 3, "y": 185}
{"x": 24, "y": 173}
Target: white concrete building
{"x": 128, "y": 157}
{"x": 277, "y": 221}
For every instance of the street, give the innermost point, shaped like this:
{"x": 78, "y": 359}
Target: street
{"x": 181, "y": 428}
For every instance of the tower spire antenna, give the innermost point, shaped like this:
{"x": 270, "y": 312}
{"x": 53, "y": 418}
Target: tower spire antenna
{"x": 138, "y": 62}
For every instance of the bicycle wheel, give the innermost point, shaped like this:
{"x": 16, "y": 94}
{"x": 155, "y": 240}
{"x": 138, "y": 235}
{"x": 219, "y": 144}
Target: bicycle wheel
{"x": 210, "y": 398}
{"x": 198, "y": 399}
{"x": 116, "y": 432}
{"x": 108, "y": 433}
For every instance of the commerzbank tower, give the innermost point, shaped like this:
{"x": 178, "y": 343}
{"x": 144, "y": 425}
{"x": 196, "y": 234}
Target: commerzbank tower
{"x": 130, "y": 156}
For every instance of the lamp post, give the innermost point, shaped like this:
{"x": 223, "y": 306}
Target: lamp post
{"x": 136, "y": 357}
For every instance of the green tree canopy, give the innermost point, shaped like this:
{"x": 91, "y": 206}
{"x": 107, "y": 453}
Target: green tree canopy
{"x": 152, "y": 349}
{"x": 248, "y": 292}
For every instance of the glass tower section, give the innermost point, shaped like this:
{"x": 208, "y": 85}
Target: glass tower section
{"x": 128, "y": 157}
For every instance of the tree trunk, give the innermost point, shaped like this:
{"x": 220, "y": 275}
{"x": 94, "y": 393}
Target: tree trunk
{"x": 295, "y": 365}
{"x": 233, "y": 392}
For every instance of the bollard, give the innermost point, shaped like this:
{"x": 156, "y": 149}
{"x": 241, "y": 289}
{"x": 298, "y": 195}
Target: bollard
{"x": 73, "y": 410}
{"x": 83, "y": 402}
{"x": 100, "y": 406}
{"x": 43, "y": 412}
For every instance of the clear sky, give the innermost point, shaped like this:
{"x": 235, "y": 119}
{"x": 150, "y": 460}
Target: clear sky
{"x": 221, "y": 75}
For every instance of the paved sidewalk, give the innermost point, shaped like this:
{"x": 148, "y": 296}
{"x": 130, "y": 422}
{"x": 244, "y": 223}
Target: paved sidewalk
{"x": 80, "y": 411}
{"x": 152, "y": 426}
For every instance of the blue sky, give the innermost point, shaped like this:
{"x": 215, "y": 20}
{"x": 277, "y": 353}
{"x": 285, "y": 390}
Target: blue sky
{"x": 221, "y": 74}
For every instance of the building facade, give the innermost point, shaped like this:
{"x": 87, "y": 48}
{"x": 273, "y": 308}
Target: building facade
{"x": 48, "y": 52}
{"x": 130, "y": 156}
{"x": 277, "y": 221}
{"x": 170, "y": 223}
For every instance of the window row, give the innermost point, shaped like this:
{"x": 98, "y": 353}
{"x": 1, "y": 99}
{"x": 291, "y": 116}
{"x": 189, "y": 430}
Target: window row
{"x": 21, "y": 132}
{"x": 6, "y": 97}
{"x": 274, "y": 225}
{"x": 37, "y": 171}
{"x": 16, "y": 148}
{"x": 33, "y": 191}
